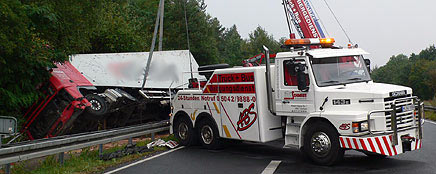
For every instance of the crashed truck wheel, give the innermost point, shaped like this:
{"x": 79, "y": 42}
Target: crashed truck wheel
{"x": 321, "y": 144}
{"x": 98, "y": 105}
{"x": 208, "y": 134}
{"x": 184, "y": 131}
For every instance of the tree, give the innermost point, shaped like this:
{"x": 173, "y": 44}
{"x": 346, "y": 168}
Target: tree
{"x": 260, "y": 37}
{"x": 232, "y": 43}
{"x": 420, "y": 79}
{"x": 24, "y": 56}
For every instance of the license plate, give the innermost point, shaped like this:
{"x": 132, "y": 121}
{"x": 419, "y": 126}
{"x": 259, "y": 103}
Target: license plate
{"x": 407, "y": 108}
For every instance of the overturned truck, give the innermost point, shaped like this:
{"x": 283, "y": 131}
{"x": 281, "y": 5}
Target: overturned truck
{"x": 92, "y": 91}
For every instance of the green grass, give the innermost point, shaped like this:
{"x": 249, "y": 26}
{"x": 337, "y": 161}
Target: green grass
{"x": 430, "y": 114}
{"x": 86, "y": 162}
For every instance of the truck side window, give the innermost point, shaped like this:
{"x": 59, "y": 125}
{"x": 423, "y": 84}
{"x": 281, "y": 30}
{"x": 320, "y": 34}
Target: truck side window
{"x": 290, "y": 74}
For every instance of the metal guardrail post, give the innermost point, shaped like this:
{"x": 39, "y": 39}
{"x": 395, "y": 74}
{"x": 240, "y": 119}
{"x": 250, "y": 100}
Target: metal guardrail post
{"x": 100, "y": 149}
{"x": 7, "y": 168}
{"x": 61, "y": 158}
{"x": 152, "y": 136}
{"x": 130, "y": 141}
{"x": 394, "y": 124}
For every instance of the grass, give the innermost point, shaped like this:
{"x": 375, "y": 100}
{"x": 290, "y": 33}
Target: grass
{"x": 86, "y": 162}
{"x": 430, "y": 114}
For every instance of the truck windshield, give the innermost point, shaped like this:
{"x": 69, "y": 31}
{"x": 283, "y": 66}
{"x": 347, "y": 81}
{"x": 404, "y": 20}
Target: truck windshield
{"x": 339, "y": 70}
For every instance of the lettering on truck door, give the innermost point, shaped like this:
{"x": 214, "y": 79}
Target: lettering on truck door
{"x": 237, "y": 99}
{"x": 290, "y": 100}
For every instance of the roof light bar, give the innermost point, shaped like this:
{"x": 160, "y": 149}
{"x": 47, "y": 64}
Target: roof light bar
{"x": 324, "y": 42}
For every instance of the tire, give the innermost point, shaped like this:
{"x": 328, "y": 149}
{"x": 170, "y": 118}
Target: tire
{"x": 208, "y": 134}
{"x": 374, "y": 155}
{"x": 98, "y": 105}
{"x": 321, "y": 144}
{"x": 184, "y": 131}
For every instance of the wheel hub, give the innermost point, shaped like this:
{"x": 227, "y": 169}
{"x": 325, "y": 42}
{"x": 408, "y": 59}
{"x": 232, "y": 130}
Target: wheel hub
{"x": 183, "y": 131}
{"x": 320, "y": 143}
{"x": 95, "y": 105}
{"x": 207, "y": 134}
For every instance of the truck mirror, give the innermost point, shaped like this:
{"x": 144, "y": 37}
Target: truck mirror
{"x": 368, "y": 64}
{"x": 301, "y": 77}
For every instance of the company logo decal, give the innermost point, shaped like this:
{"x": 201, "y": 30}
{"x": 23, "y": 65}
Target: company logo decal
{"x": 247, "y": 118}
{"x": 344, "y": 126}
{"x": 296, "y": 95}
{"x": 398, "y": 93}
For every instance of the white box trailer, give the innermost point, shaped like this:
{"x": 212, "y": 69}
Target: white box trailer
{"x": 321, "y": 101}
{"x": 127, "y": 69}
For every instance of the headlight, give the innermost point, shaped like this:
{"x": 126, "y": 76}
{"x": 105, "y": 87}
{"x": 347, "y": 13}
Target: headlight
{"x": 359, "y": 126}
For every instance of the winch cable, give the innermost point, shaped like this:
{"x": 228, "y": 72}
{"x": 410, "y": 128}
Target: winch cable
{"x": 153, "y": 43}
{"x": 337, "y": 20}
{"x": 319, "y": 18}
{"x": 187, "y": 38}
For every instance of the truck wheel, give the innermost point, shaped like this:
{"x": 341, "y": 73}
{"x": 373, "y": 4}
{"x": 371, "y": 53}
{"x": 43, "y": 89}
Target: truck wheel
{"x": 321, "y": 144}
{"x": 184, "y": 131}
{"x": 208, "y": 134}
{"x": 98, "y": 105}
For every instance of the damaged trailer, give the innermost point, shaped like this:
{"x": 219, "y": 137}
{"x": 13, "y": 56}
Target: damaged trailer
{"x": 92, "y": 91}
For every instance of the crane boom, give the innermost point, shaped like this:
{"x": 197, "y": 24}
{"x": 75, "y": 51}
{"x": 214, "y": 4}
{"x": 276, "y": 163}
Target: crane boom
{"x": 303, "y": 18}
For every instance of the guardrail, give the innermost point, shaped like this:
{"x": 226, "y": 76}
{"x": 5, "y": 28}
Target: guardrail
{"x": 22, "y": 151}
{"x": 429, "y": 108}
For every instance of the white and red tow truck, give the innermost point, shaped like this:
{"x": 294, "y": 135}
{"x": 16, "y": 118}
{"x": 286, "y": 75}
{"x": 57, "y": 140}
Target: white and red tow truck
{"x": 321, "y": 101}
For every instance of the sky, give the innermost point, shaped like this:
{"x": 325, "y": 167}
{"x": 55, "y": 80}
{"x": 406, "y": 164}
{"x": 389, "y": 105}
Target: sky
{"x": 381, "y": 27}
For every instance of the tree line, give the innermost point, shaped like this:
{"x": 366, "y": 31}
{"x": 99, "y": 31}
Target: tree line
{"x": 36, "y": 33}
{"x": 417, "y": 71}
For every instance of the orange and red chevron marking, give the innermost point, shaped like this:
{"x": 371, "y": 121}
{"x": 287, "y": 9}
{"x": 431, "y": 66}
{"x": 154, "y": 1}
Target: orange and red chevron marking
{"x": 381, "y": 144}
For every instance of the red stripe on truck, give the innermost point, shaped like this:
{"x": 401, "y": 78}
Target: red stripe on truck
{"x": 237, "y": 88}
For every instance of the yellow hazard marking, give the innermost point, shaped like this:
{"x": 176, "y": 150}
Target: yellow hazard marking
{"x": 227, "y": 131}
{"x": 193, "y": 115}
{"x": 207, "y": 89}
{"x": 216, "y": 108}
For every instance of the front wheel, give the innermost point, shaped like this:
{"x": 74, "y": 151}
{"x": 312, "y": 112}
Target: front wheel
{"x": 321, "y": 144}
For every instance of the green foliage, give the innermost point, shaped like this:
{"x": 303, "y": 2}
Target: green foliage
{"x": 24, "y": 56}
{"x": 416, "y": 71}
{"x": 36, "y": 33}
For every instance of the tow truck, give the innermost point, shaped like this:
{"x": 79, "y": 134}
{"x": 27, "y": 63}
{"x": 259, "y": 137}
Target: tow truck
{"x": 317, "y": 97}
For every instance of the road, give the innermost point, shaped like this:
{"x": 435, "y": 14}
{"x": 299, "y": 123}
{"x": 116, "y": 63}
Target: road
{"x": 255, "y": 157}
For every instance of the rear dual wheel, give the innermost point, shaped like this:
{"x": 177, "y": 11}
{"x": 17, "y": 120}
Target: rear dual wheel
{"x": 184, "y": 131}
{"x": 208, "y": 134}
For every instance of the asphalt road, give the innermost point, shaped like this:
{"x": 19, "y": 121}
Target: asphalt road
{"x": 255, "y": 157}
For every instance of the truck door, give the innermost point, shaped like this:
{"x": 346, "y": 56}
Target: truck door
{"x": 291, "y": 101}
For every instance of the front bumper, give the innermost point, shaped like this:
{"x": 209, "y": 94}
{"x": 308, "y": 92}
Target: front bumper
{"x": 394, "y": 141}
{"x": 383, "y": 144}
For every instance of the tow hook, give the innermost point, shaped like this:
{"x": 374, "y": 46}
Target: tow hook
{"x": 407, "y": 142}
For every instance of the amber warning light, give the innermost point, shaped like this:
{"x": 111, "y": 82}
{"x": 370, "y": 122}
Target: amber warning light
{"x": 324, "y": 42}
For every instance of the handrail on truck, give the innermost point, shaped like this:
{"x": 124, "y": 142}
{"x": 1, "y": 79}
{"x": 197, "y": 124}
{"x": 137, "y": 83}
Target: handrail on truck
{"x": 393, "y": 111}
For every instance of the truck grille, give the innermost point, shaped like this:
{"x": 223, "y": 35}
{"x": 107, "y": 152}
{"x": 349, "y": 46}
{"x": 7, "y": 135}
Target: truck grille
{"x": 404, "y": 118}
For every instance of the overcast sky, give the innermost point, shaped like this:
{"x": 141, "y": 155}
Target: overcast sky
{"x": 381, "y": 27}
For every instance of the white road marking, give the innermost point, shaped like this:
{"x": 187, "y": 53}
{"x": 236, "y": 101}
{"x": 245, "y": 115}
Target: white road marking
{"x": 141, "y": 161}
{"x": 428, "y": 121}
{"x": 271, "y": 168}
